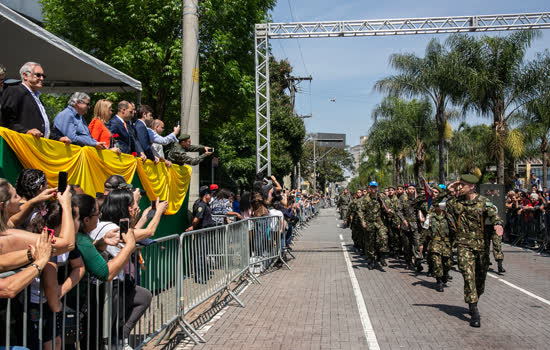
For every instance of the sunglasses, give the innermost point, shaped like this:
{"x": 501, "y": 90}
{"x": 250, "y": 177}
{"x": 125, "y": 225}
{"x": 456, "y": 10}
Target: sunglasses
{"x": 39, "y": 75}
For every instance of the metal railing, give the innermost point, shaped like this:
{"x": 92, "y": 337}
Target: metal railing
{"x": 176, "y": 273}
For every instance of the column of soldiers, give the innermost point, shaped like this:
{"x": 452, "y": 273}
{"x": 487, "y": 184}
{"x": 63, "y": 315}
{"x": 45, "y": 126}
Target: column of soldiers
{"x": 400, "y": 223}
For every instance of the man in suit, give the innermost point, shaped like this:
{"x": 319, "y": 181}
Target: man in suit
{"x": 22, "y": 110}
{"x": 121, "y": 125}
{"x": 145, "y": 115}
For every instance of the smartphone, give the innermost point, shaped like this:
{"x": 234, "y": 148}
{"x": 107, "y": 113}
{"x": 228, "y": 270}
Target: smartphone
{"x": 50, "y": 231}
{"x": 62, "y": 181}
{"x": 211, "y": 150}
{"x": 153, "y": 210}
{"x": 124, "y": 225}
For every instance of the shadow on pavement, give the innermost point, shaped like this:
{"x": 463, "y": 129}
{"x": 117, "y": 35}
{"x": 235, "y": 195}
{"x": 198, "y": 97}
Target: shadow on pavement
{"x": 451, "y": 310}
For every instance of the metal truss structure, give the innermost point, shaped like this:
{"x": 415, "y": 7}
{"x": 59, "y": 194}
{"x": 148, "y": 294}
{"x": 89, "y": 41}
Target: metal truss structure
{"x": 376, "y": 27}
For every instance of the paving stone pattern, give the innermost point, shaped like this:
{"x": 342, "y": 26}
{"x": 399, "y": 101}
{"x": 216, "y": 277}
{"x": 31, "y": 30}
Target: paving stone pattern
{"x": 313, "y": 306}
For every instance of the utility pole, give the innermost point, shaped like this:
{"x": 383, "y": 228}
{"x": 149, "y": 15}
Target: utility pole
{"x": 292, "y": 86}
{"x": 190, "y": 84}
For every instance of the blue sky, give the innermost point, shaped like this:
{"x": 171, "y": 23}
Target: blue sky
{"x": 346, "y": 69}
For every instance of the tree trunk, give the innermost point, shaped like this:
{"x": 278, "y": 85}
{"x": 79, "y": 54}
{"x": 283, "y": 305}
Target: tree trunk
{"x": 395, "y": 166}
{"x": 404, "y": 165}
{"x": 441, "y": 124}
{"x": 501, "y": 130}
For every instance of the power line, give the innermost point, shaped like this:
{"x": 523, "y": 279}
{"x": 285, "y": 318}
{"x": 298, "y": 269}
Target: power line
{"x": 297, "y": 41}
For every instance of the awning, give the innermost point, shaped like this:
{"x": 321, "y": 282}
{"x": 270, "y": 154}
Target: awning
{"x": 68, "y": 69}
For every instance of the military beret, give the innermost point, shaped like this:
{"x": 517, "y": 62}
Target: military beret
{"x": 391, "y": 186}
{"x": 184, "y": 137}
{"x": 469, "y": 178}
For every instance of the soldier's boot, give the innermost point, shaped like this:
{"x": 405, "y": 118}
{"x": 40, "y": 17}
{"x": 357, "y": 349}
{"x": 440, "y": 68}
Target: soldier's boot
{"x": 449, "y": 277}
{"x": 445, "y": 279}
{"x": 475, "y": 321}
{"x": 430, "y": 273}
{"x": 419, "y": 267}
{"x": 500, "y": 267}
{"x": 382, "y": 259}
{"x": 439, "y": 286}
{"x": 371, "y": 264}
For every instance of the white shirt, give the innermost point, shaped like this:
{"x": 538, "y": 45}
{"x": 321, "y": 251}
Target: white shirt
{"x": 99, "y": 232}
{"x": 42, "y": 111}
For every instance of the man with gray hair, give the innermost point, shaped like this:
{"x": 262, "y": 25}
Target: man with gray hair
{"x": 70, "y": 122}
{"x": 22, "y": 110}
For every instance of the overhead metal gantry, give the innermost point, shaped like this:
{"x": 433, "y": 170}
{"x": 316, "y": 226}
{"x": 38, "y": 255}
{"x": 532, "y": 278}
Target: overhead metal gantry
{"x": 375, "y": 27}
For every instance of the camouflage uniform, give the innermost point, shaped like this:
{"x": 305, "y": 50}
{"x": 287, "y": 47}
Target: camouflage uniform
{"x": 393, "y": 220}
{"x": 439, "y": 243}
{"x": 178, "y": 154}
{"x": 355, "y": 223}
{"x": 376, "y": 235}
{"x": 473, "y": 258}
{"x": 410, "y": 235}
{"x": 343, "y": 204}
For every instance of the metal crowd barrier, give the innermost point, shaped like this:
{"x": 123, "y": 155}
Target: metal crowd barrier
{"x": 180, "y": 271}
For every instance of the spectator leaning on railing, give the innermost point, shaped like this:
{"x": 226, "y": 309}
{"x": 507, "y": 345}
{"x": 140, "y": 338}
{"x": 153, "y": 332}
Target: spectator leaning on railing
{"x": 120, "y": 125}
{"x": 70, "y": 122}
{"x": 178, "y": 152}
{"x": 160, "y": 141}
{"x": 22, "y": 110}
{"x": 145, "y": 115}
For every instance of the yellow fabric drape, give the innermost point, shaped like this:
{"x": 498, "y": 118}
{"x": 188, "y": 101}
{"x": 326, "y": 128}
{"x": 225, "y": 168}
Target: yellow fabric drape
{"x": 90, "y": 167}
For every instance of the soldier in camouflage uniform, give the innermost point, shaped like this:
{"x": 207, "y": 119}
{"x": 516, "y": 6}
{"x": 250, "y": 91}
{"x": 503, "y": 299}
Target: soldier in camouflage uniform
{"x": 343, "y": 205}
{"x": 178, "y": 152}
{"x": 437, "y": 239}
{"x": 492, "y": 237}
{"x": 394, "y": 221}
{"x": 355, "y": 222}
{"x": 469, "y": 211}
{"x": 409, "y": 228}
{"x": 376, "y": 246}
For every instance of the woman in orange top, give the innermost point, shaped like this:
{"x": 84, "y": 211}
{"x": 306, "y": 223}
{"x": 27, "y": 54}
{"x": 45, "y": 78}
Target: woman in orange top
{"x": 103, "y": 111}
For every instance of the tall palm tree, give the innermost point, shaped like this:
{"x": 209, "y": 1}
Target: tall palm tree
{"x": 403, "y": 124}
{"x": 436, "y": 77}
{"x": 497, "y": 85}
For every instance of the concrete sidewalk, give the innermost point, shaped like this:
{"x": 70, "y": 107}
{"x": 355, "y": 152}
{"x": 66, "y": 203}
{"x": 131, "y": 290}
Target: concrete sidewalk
{"x": 313, "y": 306}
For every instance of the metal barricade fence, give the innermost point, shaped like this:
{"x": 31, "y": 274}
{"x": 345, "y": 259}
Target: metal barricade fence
{"x": 177, "y": 274}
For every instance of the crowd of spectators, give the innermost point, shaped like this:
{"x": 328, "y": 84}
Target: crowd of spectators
{"x": 45, "y": 230}
{"x": 527, "y": 213}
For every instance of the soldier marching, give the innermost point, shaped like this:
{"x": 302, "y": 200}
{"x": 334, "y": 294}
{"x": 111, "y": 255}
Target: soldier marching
{"x": 401, "y": 223}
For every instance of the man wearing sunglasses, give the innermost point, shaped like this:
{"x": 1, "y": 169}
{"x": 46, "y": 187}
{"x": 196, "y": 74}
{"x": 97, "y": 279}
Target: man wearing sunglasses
{"x": 22, "y": 110}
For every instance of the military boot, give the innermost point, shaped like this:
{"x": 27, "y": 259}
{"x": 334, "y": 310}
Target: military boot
{"x": 370, "y": 264}
{"x": 382, "y": 259}
{"x": 445, "y": 279}
{"x": 500, "y": 267}
{"x": 419, "y": 267}
{"x": 439, "y": 286}
{"x": 475, "y": 321}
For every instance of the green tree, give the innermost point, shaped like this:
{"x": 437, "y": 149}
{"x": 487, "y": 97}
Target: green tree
{"x": 497, "y": 85}
{"x": 468, "y": 148}
{"x": 436, "y": 76}
{"x": 410, "y": 121}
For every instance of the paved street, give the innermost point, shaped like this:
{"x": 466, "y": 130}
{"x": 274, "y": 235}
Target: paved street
{"x": 315, "y": 305}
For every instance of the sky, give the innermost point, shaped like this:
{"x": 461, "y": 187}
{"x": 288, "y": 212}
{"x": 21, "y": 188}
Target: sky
{"x": 345, "y": 69}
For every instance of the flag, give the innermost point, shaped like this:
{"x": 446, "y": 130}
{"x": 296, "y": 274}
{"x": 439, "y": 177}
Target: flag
{"x": 428, "y": 191}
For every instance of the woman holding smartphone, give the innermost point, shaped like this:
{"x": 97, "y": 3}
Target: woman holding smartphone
{"x": 96, "y": 266}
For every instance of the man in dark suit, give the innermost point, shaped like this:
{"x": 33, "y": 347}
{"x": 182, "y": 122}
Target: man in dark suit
{"x": 145, "y": 115}
{"x": 22, "y": 110}
{"x": 121, "y": 125}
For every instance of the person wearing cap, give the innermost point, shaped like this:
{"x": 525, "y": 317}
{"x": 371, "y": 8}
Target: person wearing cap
{"x": 178, "y": 152}
{"x": 469, "y": 210}
{"x": 202, "y": 218}
{"x": 376, "y": 238}
{"x": 409, "y": 227}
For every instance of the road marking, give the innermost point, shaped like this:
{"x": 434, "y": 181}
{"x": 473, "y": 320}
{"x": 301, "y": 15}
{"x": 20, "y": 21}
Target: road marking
{"x": 520, "y": 289}
{"x": 341, "y": 238}
{"x": 372, "y": 342}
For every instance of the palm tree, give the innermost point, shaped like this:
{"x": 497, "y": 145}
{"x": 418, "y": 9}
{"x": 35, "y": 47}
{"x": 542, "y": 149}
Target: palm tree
{"x": 436, "y": 77}
{"x": 497, "y": 85}
{"x": 403, "y": 124}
